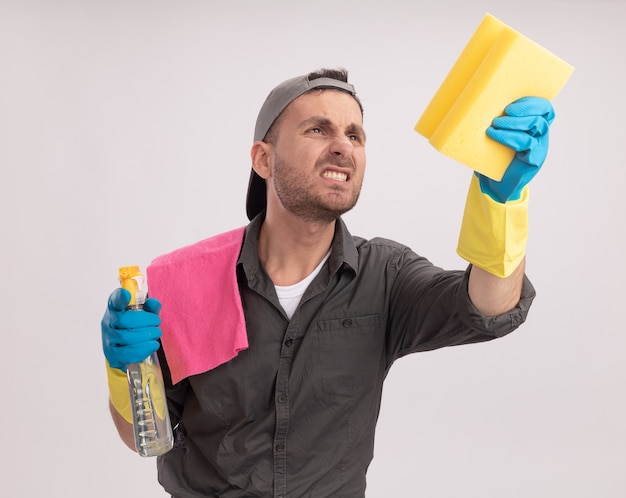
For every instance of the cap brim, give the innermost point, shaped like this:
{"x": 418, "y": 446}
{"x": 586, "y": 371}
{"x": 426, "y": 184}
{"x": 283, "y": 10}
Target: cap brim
{"x": 257, "y": 196}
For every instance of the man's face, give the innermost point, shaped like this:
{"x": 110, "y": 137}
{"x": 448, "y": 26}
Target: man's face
{"x": 318, "y": 157}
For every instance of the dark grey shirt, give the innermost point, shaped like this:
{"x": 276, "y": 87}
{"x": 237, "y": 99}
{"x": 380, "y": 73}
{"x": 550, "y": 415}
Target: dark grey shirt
{"x": 294, "y": 414}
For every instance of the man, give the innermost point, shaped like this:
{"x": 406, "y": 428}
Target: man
{"x": 326, "y": 313}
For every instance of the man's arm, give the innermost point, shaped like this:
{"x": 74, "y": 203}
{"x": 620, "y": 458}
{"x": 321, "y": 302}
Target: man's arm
{"x": 493, "y": 295}
{"x": 127, "y": 337}
{"x": 124, "y": 429}
{"x": 494, "y": 230}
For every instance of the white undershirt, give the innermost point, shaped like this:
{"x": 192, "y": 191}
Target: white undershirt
{"x": 289, "y": 296}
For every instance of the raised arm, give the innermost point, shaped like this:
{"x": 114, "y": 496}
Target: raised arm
{"x": 495, "y": 223}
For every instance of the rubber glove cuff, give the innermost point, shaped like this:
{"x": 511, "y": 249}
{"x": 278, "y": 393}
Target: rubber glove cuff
{"x": 493, "y": 235}
{"x": 118, "y": 392}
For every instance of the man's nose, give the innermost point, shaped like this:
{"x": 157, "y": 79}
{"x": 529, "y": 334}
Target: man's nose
{"x": 342, "y": 146}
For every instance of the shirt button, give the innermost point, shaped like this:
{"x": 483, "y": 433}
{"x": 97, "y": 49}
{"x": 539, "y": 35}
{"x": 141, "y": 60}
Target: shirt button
{"x": 282, "y": 398}
{"x": 289, "y": 343}
{"x": 280, "y": 447}
{"x": 347, "y": 323}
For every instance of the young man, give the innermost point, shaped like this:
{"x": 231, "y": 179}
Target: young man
{"x": 326, "y": 314}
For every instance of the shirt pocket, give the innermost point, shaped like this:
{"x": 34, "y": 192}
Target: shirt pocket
{"x": 350, "y": 354}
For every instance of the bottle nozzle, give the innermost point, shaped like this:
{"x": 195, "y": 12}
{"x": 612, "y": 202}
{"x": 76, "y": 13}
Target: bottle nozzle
{"x": 131, "y": 279}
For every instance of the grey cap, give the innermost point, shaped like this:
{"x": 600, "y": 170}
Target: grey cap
{"x": 275, "y": 103}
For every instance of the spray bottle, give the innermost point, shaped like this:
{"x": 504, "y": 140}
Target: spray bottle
{"x": 151, "y": 421}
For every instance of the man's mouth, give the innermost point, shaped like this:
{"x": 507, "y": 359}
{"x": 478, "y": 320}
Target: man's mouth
{"x": 335, "y": 175}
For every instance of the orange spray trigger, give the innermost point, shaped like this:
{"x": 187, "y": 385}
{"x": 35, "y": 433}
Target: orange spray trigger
{"x": 130, "y": 279}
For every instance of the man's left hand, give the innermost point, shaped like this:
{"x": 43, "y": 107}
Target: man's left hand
{"x": 524, "y": 128}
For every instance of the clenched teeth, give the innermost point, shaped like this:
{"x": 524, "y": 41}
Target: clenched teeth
{"x": 335, "y": 175}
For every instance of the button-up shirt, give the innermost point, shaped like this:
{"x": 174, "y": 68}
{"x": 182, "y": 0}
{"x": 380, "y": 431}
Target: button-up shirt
{"x": 294, "y": 415}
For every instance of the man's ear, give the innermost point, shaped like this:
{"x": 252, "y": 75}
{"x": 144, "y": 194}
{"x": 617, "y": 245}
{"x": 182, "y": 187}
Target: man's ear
{"x": 260, "y": 154}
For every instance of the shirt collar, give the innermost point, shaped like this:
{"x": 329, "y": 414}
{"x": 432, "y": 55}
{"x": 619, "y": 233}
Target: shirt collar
{"x": 343, "y": 251}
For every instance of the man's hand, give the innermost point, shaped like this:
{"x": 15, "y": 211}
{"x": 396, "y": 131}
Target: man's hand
{"x": 524, "y": 128}
{"x": 129, "y": 336}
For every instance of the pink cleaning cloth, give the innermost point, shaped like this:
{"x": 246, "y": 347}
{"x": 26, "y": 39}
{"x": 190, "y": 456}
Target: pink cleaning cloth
{"x": 202, "y": 316}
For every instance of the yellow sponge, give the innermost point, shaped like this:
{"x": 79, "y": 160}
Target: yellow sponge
{"x": 496, "y": 67}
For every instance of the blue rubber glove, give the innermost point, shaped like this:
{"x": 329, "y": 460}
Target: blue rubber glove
{"x": 523, "y": 128}
{"x": 129, "y": 336}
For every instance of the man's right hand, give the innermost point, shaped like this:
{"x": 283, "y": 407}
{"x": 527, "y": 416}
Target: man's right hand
{"x": 129, "y": 336}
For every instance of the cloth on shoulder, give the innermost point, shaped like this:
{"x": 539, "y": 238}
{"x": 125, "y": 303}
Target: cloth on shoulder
{"x": 202, "y": 315}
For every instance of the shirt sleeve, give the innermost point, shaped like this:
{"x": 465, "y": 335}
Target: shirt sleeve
{"x": 430, "y": 308}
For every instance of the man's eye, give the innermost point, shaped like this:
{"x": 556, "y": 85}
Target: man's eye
{"x": 315, "y": 130}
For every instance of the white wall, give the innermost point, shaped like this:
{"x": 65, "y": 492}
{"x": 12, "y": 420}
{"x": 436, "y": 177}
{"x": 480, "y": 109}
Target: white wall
{"x": 125, "y": 128}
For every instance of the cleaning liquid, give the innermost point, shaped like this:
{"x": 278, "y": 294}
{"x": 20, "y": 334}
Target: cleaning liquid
{"x": 151, "y": 421}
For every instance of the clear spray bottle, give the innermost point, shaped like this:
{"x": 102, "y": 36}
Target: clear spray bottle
{"x": 151, "y": 421}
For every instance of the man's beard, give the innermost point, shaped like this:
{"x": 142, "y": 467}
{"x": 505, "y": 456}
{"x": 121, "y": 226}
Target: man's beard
{"x": 297, "y": 198}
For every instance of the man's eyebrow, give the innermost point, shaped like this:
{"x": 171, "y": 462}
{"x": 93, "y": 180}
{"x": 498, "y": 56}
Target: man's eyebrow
{"x": 316, "y": 120}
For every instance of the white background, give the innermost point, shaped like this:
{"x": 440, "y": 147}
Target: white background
{"x": 125, "y": 128}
